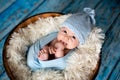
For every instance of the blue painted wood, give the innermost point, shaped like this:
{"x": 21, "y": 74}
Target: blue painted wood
{"x": 107, "y": 17}
{"x": 110, "y": 52}
{"x": 107, "y": 11}
{"x": 116, "y": 72}
{"x": 52, "y": 6}
{"x": 78, "y": 5}
{"x": 109, "y": 63}
{"x": 4, "y": 76}
{"x": 112, "y": 36}
{"x": 4, "y": 4}
{"x": 16, "y": 13}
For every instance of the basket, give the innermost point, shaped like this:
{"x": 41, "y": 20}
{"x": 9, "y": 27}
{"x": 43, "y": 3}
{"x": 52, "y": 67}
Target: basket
{"x": 23, "y": 24}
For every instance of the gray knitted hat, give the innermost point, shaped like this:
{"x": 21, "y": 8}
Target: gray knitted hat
{"x": 81, "y": 24}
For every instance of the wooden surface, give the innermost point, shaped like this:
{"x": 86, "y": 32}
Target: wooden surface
{"x": 12, "y": 12}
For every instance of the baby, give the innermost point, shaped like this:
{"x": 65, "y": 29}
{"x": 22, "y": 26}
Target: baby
{"x": 65, "y": 41}
{"x": 60, "y": 45}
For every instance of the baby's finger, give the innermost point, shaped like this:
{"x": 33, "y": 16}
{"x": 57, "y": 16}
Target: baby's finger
{"x": 41, "y": 52}
{"x": 50, "y": 50}
{"x": 44, "y": 50}
{"x": 54, "y": 49}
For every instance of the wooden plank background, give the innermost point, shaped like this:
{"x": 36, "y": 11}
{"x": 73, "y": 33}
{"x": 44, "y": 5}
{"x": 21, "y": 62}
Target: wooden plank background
{"x": 12, "y": 12}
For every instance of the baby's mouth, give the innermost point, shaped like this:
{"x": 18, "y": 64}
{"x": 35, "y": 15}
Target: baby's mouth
{"x": 63, "y": 43}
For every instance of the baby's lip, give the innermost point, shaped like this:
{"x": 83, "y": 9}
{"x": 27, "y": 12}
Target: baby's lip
{"x": 63, "y": 42}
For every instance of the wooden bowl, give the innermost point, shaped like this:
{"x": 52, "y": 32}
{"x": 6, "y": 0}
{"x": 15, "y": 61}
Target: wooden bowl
{"x": 23, "y": 24}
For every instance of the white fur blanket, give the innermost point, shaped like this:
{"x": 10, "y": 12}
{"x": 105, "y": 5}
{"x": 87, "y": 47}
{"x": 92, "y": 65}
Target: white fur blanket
{"x": 80, "y": 64}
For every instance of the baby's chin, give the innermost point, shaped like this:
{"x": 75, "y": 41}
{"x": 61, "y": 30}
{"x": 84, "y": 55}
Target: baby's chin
{"x": 70, "y": 47}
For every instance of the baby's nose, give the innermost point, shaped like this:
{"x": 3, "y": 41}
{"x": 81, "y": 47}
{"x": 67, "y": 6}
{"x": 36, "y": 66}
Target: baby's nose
{"x": 66, "y": 37}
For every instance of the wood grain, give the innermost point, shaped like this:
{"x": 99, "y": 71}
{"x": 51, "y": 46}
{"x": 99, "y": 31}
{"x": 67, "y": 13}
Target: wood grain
{"x": 107, "y": 18}
{"x": 5, "y": 4}
{"x": 52, "y": 6}
{"x": 111, "y": 52}
{"x": 16, "y": 13}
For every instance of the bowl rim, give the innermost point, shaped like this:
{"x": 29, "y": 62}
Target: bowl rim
{"x": 15, "y": 29}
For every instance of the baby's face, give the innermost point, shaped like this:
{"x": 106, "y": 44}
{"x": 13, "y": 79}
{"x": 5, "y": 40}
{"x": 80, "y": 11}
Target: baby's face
{"x": 68, "y": 38}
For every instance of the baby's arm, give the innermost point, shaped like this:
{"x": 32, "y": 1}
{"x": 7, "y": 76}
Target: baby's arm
{"x": 52, "y": 49}
{"x": 59, "y": 50}
{"x": 59, "y": 54}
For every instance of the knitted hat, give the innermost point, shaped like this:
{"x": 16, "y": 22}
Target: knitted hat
{"x": 81, "y": 23}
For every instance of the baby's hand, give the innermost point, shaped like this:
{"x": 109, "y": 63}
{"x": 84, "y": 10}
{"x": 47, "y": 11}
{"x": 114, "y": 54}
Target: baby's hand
{"x": 59, "y": 46}
{"x": 52, "y": 50}
{"x": 43, "y": 51}
{"x": 43, "y": 54}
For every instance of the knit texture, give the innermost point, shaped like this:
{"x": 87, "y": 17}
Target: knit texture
{"x": 81, "y": 24}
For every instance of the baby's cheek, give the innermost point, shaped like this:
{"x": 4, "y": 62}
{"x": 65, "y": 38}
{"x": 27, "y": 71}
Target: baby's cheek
{"x": 58, "y": 37}
{"x": 73, "y": 45}
{"x": 69, "y": 46}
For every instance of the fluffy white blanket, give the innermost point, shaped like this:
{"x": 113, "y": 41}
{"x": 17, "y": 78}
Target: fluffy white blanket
{"x": 80, "y": 65}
